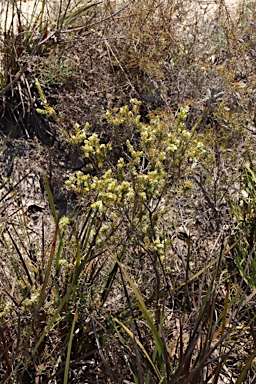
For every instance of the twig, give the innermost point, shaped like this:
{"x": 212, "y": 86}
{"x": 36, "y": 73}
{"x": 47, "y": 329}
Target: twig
{"x": 104, "y": 360}
{"x": 79, "y": 29}
{"x": 23, "y": 69}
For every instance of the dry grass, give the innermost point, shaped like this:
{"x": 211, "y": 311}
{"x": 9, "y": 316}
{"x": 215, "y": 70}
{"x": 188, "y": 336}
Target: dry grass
{"x": 160, "y": 290}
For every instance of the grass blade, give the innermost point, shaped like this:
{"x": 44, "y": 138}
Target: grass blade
{"x": 127, "y": 330}
{"x": 69, "y": 347}
{"x": 111, "y": 278}
{"x": 159, "y": 343}
{"x": 248, "y": 365}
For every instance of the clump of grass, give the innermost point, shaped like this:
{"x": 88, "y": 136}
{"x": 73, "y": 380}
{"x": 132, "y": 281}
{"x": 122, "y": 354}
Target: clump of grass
{"x": 134, "y": 205}
{"x": 32, "y": 35}
{"x": 42, "y": 297}
{"x": 152, "y": 278}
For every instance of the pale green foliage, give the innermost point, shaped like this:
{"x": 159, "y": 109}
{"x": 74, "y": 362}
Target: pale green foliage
{"x": 137, "y": 185}
{"x": 146, "y": 167}
{"x": 49, "y": 111}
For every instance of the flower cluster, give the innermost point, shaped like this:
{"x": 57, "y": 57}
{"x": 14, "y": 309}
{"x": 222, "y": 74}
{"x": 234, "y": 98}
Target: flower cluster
{"x": 136, "y": 187}
{"x": 49, "y": 111}
{"x": 142, "y": 174}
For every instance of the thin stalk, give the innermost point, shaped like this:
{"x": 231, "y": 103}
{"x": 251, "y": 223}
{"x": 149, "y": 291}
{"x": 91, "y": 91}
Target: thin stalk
{"x": 69, "y": 347}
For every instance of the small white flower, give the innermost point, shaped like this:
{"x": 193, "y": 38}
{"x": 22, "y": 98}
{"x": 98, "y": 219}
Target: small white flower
{"x": 244, "y": 194}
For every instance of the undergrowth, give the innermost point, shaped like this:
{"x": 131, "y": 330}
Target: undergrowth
{"x": 151, "y": 277}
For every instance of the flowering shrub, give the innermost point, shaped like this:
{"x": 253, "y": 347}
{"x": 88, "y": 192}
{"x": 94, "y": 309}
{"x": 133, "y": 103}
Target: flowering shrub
{"x": 134, "y": 191}
{"x": 161, "y": 154}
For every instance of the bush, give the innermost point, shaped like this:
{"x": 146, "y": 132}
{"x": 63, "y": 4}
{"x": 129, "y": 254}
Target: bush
{"x": 150, "y": 277}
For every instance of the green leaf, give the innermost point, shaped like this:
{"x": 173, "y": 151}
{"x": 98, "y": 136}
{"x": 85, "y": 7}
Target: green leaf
{"x": 69, "y": 347}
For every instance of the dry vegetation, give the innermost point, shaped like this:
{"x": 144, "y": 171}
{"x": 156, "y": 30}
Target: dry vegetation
{"x": 128, "y": 192}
